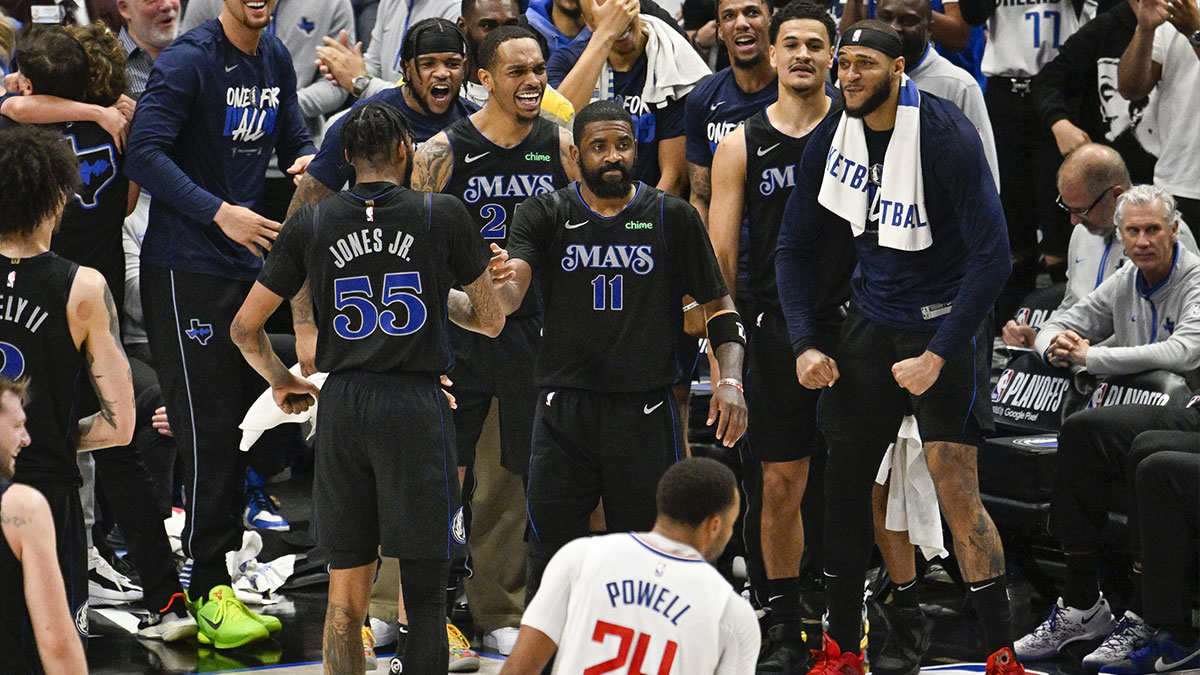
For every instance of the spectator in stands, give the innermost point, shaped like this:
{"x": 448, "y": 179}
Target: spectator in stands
{"x": 933, "y": 73}
{"x": 1159, "y": 293}
{"x": 150, "y": 26}
{"x": 559, "y": 21}
{"x": 8, "y": 41}
{"x": 1090, "y": 181}
{"x": 1076, "y": 96}
{"x": 615, "y": 63}
{"x": 1165, "y": 52}
{"x": 365, "y": 75}
{"x": 69, "y": 12}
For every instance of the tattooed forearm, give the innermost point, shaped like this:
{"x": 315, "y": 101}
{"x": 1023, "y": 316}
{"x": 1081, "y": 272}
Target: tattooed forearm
{"x": 309, "y": 191}
{"x": 108, "y": 409}
{"x": 342, "y": 642}
{"x": 432, "y": 164}
{"x": 700, "y": 178}
{"x": 302, "y": 306}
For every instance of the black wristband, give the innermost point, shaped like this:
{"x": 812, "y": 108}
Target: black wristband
{"x": 726, "y": 327}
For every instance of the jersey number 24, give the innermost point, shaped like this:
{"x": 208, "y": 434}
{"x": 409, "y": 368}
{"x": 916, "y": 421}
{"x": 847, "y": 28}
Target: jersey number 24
{"x": 635, "y": 660}
{"x": 358, "y": 315}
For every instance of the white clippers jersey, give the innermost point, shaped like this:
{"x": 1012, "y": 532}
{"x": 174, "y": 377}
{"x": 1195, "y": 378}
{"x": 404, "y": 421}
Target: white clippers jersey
{"x": 1024, "y": 35}
{"x": 642, "y": 603}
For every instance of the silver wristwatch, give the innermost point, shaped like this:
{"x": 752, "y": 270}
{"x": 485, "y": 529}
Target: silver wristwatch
{"x": 360, "y": 85}
{"x": 1194, "y": 39}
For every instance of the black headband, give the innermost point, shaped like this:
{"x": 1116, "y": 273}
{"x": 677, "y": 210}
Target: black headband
{"x": 433, "y": 41}
{"x": 875, "y": 39}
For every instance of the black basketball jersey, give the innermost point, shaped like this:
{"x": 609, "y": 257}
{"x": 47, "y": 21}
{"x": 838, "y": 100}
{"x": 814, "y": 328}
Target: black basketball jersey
{"x": 493, "y": 181}
{"x": 18, "y": 651}
{"x": 90, "y": 233}
{"x": 381, "y": 260}
{"x": 36, "y": 342}
{"x": 612, "y": 288}
{"x": 772, "y": 160}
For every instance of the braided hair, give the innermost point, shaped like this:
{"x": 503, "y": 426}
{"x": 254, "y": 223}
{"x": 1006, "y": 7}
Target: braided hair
{"x": 373, "y": 133}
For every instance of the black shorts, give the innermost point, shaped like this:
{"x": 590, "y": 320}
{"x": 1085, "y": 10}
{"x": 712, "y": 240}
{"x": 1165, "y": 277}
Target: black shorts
{"x": 386, "y": 477}
{"x": 783, "y": 413}
{"x": 866, "y": 405}
{"x": 588, "y": 445}
{"x": 71, "y": 544}
{"x": 500, "y": 368}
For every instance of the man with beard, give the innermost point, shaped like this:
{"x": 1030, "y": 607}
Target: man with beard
{"x": 614, "y": 257}
{"x": 754, "y": 173}
{"x": 218, "y": 101}
{"x": 718, "y": 104}
{"x": 932, "y": 253}
{"x": 150, "y": 27}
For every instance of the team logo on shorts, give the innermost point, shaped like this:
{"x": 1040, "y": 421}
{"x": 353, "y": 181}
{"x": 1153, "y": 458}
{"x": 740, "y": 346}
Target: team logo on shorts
{"x": 550, "y": 398}
{"x": 396, "y": 666}
{"x": 200, "y": 332}
{"x": 458, "y": 529}
{"x": 81, "y": 619}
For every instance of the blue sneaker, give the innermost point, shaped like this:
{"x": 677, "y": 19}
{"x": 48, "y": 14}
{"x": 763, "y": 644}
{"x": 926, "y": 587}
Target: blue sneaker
{"x": 1161, "y": 655}
{"x": 262, "y": 512}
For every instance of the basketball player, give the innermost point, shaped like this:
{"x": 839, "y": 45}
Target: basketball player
{"x": 753, "y": 176}
{"x": 381, "y": 260}
{"x": 38, "y": 626}
{"x": 614, "y": 257}
{"x": 62, "y": 317}
{"x": 493, "y": 161}
{"x": 601, "y": 595}
{"x": 932, "y": 256}
{"x": 220, "y": 99}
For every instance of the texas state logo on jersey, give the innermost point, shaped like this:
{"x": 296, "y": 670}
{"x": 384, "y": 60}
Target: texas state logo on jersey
{"x": 97, "y": 170}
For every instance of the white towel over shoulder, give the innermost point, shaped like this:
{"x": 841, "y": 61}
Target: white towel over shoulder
{"x": 900, "y": 200}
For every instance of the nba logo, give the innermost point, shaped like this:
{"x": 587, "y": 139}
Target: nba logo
{"x": 856, "y": 36}
{"x": 1192, "y": 402}
{"x": 1098, "y": 395}
{"x": 12, "y": 278}
{"x": 1001, "y": 385}
{"x": 1023, "y": 315}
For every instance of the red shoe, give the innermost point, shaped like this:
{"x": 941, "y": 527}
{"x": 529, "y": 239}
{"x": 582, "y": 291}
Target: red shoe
{"x": 1004, "y": 662}
{"x": 830, "y": 660}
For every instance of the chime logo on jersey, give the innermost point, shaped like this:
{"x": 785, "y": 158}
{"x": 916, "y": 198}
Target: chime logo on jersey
{"x": 250, "y": 112}
{"x": 774, "y": 178}
{"x": 518, "y": 185}
{"x": 640, "y": 259}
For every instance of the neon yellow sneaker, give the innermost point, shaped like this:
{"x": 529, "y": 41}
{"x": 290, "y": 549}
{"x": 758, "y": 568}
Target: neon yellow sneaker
{"x": 225, "y": 622}
{"x": 271, "y": 623}
{"x": 368, "y": 638}
{"x": 463, "y": 659}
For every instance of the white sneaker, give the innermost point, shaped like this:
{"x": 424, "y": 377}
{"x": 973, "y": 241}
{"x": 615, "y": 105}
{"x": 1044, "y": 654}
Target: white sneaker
{"x": 501, "y": 640}
{"x": 106, "y": 586}
{"x": 1064, "y": 626}
{"x": 385, "y": 632}
{"x": 1130, "y": 635}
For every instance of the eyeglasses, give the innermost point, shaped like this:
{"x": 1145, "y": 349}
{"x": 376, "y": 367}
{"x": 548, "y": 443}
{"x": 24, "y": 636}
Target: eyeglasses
{"x": 1082, "y": 213}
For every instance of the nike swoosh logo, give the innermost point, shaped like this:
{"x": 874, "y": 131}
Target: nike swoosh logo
{"x": 1079, "y": 260}
{"x": 763, "y": 151}
{"x": 976, "y": 589}
{"x": 649, "y": 409}
{"x": 716, "y": 105}
{"x": 773, "y": 598}
{"x": 1089, "y": 619}
{"x": 229, "y": 68}
{"x": 215, "y": 626}
{"x": 570, "y": 226}
{"x": 468, "y": 159}
{"x": 1161, "y": 666}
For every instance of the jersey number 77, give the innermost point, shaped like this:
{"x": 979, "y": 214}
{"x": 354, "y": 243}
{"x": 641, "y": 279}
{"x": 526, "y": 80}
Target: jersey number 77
{"x": 626, "y": 637}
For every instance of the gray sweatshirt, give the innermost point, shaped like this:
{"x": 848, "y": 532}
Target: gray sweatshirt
{"x": 1151, "y": 329}
{"x": 1092, "y": 258}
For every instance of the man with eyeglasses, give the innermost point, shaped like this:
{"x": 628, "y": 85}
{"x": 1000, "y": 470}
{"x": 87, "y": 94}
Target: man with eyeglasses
{"x": 1089, "y": 182}
{"x": 1147, "y": 317}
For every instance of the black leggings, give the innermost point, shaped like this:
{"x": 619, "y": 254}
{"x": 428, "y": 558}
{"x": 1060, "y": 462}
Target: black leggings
{"x": 423, "y": 583}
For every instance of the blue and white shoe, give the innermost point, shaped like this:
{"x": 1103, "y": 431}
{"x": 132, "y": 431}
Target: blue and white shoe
{"x": 262, "y": 512}
{"x": 1064, "y": 626}
{"x": 1161, "y": 655}
{"x": 1130, "y": 635}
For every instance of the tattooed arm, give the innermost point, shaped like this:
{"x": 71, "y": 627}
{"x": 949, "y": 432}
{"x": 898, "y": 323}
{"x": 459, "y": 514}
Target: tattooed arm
{"x": 565, "y": 143}
{"x": 477, "y": 307}
{"x": 309, "y": 191}
{"x": 29, "y": 531}
{"x": 92, "y": 316}
{"x": 432, "y": 164}
{"x": 293, "y": 394}
{"x": 700, "y": 178}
